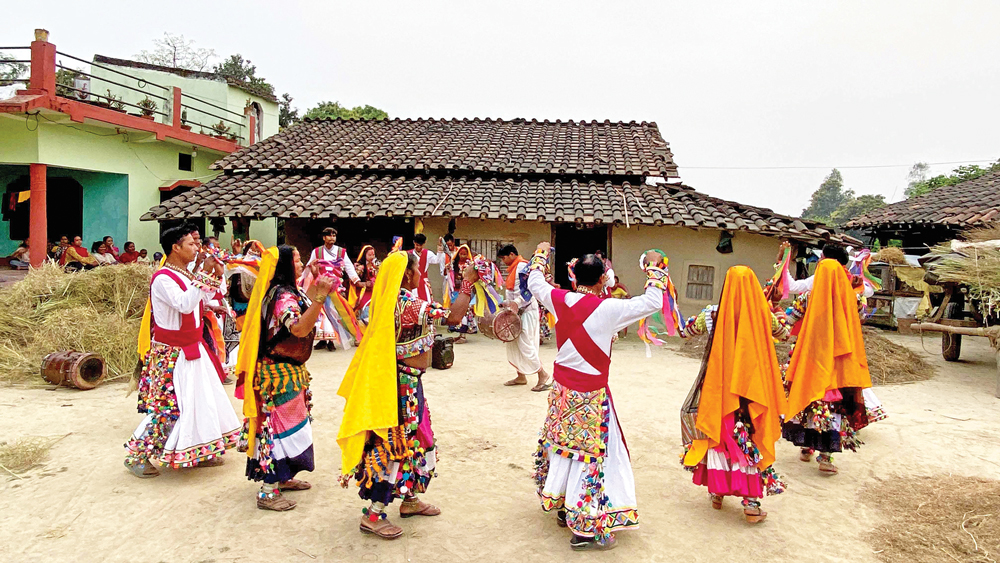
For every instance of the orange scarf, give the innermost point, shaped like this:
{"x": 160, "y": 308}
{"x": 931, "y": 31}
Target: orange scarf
{"x": 512, "y": 273}
{"x": 742, "y": 363}
{"x": 830, "y": 352}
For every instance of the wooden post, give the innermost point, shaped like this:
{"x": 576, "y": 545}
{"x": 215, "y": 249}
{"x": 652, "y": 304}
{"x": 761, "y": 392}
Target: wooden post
{"x": 38, "y": 236}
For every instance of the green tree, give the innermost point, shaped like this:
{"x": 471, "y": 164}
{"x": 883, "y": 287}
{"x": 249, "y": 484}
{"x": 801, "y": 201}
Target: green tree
{"x": 242, "y": 70}
{"x": 177, "y": 52}
{"x": 921, "y": 185}
{"x": 287, "y": 115}
{"x": 856, "y": 207}
{"x": 828, "y": 198}
{"x": 10, "y": 71}
{"x": 333, "y": 110}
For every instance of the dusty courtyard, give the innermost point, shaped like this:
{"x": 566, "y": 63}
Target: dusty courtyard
{"x": 82, "y": 505}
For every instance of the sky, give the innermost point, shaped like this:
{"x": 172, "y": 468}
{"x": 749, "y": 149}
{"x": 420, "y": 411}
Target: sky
{"x": 758, "y": 100}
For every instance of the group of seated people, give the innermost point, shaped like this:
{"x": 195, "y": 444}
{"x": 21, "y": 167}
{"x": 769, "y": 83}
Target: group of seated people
{"x": 74, "y": 256}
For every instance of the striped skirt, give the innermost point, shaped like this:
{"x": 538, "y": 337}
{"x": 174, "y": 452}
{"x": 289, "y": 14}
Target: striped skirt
{"x": 283, "y": 443}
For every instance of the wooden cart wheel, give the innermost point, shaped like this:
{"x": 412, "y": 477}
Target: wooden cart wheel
{"x": 951, "y": 344}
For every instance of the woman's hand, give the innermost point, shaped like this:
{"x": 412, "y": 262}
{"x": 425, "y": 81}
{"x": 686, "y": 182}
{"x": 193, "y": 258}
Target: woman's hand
{"x": 323, "y": 287}
{"x": 470, "y": 273}
{"x": 237, "y": 246}
{"x": 654, "y": 258}
{"x": 544, "y": 246}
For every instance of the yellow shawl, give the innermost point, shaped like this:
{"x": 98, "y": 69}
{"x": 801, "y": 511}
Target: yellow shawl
{"x": 145, "y": 328}
{"x": 830, "y": 352}
{"x": 246, "y": 364}
{"x": 742, "y": 364}
{"x": 370, "y": 384}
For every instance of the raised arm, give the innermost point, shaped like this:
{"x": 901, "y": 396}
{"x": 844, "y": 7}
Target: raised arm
{"x": 185, "y": 301}
{"x": 539, "y": 288}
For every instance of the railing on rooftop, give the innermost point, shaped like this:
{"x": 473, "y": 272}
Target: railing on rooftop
{"x": 231, "y": 124}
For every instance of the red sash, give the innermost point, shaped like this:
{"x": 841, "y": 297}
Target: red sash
{"x": 424, "y": 285}
{"x": 190, "y": 334}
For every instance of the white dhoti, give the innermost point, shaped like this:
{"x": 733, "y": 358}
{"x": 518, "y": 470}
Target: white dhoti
{"x": 522, "y": 353}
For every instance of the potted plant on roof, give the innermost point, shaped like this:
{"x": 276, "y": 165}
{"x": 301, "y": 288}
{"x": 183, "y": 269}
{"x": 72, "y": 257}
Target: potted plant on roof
{"x": 115, "y": 102}
{"x": 184, "y": 123}
{"x": 147, "y": 106}
{"x": 221, "y": 130}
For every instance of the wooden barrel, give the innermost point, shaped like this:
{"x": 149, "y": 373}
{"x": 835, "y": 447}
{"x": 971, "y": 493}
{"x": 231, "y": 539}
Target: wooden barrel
{"x": 83, "y": 370}
{"x": 504, "y": 325}
{"x": 444, "y": 352}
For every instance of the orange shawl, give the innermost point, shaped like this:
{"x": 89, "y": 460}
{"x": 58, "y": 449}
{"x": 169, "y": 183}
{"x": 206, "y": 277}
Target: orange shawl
{"x": 830, "y": 352}
{"x": 512, "y": 273}
{"x": 742, "y": 363}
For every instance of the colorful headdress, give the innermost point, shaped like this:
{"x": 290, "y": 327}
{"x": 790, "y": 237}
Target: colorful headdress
{"x": 859, "y": 267}
{"x": 487, "y": 296}
{"x": 776, "y": 285}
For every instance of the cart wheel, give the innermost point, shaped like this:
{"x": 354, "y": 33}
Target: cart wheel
{"x": 951, "y": 344}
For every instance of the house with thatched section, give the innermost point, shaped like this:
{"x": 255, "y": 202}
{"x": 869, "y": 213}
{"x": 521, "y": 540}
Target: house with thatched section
{"x": 583, "y": 185}
{"x": 938, "y": 216}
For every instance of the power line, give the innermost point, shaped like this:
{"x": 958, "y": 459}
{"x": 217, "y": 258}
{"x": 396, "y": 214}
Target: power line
{"x": 829, "y": 167}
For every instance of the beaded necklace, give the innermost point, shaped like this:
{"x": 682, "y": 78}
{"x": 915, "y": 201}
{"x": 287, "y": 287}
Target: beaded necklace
{"x": 183, "y": 271}
{"x": 586, "y": 290}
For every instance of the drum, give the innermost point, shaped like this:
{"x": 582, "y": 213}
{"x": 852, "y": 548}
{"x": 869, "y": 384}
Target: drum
{"x": 443, "y": 355}
{"x": 83, "y": 370}
{"x": 504, "y": 325}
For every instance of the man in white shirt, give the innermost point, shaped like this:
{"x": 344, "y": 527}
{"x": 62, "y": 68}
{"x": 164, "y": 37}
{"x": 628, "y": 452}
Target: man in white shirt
{"x": 330, "y": 327}
{"x": 424, "y": 259}
{"x": 522, "y": 353}
{"x": 829, "y": 251}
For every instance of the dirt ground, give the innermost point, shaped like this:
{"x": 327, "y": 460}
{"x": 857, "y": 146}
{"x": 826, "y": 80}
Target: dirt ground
{"x": 82, "y": 505}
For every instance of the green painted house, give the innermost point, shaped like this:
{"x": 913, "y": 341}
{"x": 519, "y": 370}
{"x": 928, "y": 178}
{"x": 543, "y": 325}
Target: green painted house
{"x": 88, "y": 155}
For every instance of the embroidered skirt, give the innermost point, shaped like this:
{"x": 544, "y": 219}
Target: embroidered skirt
{"x": 405, "y": 461}
{"x": 726, "y": 469}
{"x": 283, "y": 444}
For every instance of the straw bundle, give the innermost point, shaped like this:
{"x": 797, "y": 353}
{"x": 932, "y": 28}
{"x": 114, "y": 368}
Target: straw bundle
{"x": 890, "y": 255}
{"x": 94, "y": 311}
{"x": 976, "y": 268}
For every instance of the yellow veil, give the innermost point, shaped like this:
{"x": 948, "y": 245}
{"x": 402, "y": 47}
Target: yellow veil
{"x": 145, "y": 330}
{"x": 246, "y": 365}
{"x": 370, "y": 384}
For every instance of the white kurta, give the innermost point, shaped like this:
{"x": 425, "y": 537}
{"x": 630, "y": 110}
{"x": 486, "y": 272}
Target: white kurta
{"x": 522, "y": 353}
{"x": 566, "y": 478}
{"x": 329, "y": 325}
{"x": 206, "y": 415}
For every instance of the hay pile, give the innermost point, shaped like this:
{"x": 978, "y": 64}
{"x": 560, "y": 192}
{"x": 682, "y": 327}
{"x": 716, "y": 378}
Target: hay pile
{"x": 890, "y": 255}
{"x": 926, "y": 519}
{"x": 95, "y": 311}
{"x": 888, "y": 362}
{"x": 25, "y": 453}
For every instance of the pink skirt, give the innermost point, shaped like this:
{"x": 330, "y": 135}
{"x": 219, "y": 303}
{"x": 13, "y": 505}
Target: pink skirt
{"x": 725, "y": 469}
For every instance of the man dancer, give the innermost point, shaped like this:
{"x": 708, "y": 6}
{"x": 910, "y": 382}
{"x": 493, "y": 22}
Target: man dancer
{"x": 582, "y": 466}
{"x": 330, "y": 327}
{"x": 424, "y": 259}
{"x": 189, "y": 420}
{"x": 522, "y": 353}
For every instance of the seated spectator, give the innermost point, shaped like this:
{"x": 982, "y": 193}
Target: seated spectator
{"x": 59, "y": 249}
{"x": 619, "y": 291}
{"x": 112, "y": 249}
{"x": 157, "y": 257}
{"x": 76, "y": 257}
{"x": 99, "y": 250}
{"x": 143, "y": 257}
{"x": 19, "y": 260}
{"x": 130, "y": 255}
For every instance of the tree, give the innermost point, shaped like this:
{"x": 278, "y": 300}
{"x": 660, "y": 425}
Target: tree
{"x": 287, "y": 115}
{"x": 856, "y": 207}
{"x": 174, "y": 51}
{"x": 919, "y": 186}
{"x": 333, "y": 110}
{"x": 10, "y": 71}
{"x": 240, "y": 70}
{"x": 828, "y": 198}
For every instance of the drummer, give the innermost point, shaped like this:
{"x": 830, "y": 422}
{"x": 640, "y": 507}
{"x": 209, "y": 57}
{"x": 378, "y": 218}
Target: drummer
{"x": 522, "y": 353}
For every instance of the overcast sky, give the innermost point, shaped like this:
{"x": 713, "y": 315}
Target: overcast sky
{"x": 730, "y": 84}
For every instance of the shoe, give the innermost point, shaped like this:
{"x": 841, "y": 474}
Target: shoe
{"x": 754, "y": 515}
{"x": 561, "y": 518}
{"x": 330, "y": 347}
{"x": 319, "y": 345}
{"x": 717, "y": 502}
{"x": 578, "y": 543}
{"x": 143, "y": 470}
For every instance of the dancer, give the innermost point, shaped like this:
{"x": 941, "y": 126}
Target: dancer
{"x": 522, "y": 353}
{"x": 276, "y": 342}
{"x": 468, "y": 325}
{"x": 189, "y": 420}
{"x": 361, "y": 294}
{"x": 424, "y": 259}
{"x": 334, "y": 324}
{"x": 738, "y": 396}
{"x": 385, "y": 437}
{"x": 582, "y": 466}
{"x": 828, "y": 371}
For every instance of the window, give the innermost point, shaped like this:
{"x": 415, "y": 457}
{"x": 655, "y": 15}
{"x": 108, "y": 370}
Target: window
{"x": 700, "y": 283}
{"x": 184, "y": 162}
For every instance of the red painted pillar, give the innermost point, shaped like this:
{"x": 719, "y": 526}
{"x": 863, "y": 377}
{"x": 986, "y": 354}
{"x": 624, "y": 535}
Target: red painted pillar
{"x": 177, "y": 107}
{"x": 38, "y": 232}
{"x": 253, "y": 129}
{"x": 43, "y": 66}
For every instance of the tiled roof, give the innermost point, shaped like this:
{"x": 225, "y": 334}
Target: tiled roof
{"x": 970, "y": 204}
{"x": 474, "y": 146}
{"x": 478, "y": 196}
{"x": 248, "y": 88}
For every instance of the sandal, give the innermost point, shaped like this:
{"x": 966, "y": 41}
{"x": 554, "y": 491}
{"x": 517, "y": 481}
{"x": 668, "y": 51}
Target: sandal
{"x": 806, "y": 455}
{"x": 561, "y": 518}
{"x": 514, "y": 382}
{"x": 143, "y": 470}
{"x": 274, "y": 501}
{"x": 214, "y": 462}
{"x": 717, "y": 502}
{"x": 543, "y": 387}
{"x": 754, "y": 515}
{"x": 382, "y": 528}
{"x": 418, "y": 508}
{"x": 460, "y": 340}
{"x": 827, "y": 468}
{"x": 294, "y": 485}
{"x": 578, "y": 543}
